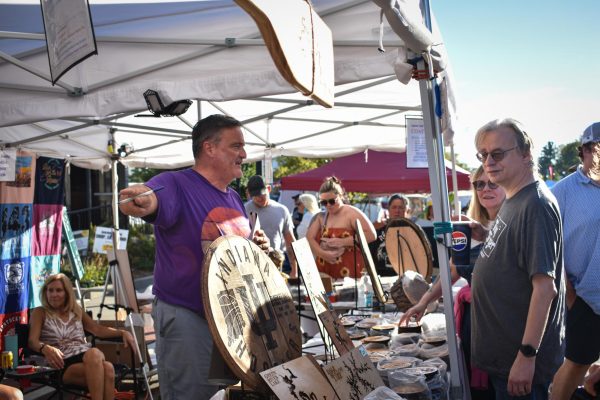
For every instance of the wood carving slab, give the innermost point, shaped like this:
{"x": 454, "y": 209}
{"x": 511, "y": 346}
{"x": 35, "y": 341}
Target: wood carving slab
{"x": 408, "y": 248}
{"x": 300, "y": 44}
{"x": 369, "y": 264}
{"x": 249, "y": 309}
{"x": 313, "y": 284}
{"x": 337, "y": 332}
{"x": 353, "y": 375}
{"x": 301, "y": 378}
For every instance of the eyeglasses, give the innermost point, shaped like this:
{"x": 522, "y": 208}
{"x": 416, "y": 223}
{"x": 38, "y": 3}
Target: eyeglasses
{"x": 497, "y": 155}
{"x": 325, "y": 202}
{"x": 480, "y": 185}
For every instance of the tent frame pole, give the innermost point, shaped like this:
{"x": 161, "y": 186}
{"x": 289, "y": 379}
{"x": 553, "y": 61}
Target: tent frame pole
{"x": 441, "y": 212}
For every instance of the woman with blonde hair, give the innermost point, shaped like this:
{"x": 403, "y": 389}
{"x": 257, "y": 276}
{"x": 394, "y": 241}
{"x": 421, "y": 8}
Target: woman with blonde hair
{"x": 310, "y": 208}
{"x": 331, "y": 235}
{"x": 56, "y": 330}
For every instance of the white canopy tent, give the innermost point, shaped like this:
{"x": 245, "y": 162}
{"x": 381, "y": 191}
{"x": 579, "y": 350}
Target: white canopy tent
{"x": 209, "y": 51}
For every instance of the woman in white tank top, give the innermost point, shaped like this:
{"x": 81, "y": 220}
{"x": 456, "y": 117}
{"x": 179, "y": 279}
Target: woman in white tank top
{"x": 56, "y": 330}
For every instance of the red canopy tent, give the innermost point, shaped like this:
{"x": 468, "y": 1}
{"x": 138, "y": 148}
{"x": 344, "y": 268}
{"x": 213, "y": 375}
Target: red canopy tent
{"x": 375, "y": 172}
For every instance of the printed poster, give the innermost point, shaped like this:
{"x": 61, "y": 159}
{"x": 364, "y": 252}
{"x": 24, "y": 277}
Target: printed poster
{"x": 103, "y": 241}
{"x": 416, "y": 148}
{"x": 20, "y": 190}
{"x": 8, "y": 163}
{"x": 69, "y": 34}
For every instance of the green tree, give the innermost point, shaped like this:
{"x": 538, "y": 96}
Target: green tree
{"x": 548, "y": 158}
{"x": 568, "y": 158}
{"x": 459, "y": 163}
{"x": 140, "y": 175}
{"x": 294, "y": 165}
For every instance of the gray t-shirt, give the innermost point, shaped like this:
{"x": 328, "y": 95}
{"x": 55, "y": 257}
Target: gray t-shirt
{"x": 275, "y": 219}
{"x": 526, "y": 239}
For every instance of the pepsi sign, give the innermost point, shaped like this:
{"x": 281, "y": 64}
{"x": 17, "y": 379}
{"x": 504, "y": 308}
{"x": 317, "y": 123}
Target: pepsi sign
{"x": 459, "y": 241}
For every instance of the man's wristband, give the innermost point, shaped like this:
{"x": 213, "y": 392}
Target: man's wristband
{"x": 42, "y": 347}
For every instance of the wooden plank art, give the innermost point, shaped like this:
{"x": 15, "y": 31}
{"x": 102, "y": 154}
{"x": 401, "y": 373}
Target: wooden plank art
{"x": 313, "y": 284}
{"x": 408, "y": 248}
{"x": 300, "y": 44}
{"x": 337, "y": 332}
{"x": 353, "y": 375}
{"x": 249, "y": 309}
{"x": 369, "y": 264}
{"x": 300, "y": 379}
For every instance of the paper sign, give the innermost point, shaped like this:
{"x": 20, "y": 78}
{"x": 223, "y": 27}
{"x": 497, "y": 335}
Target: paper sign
{"x": 103, "y": 240}
{"x": 69, "y": 34}
{"x": 82, "y": 240}
{"x": 8, "y": 162}
{"x": 416, "y": 150}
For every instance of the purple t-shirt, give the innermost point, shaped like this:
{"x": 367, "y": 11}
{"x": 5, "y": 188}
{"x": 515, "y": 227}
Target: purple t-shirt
{"x": 191, "y": 214}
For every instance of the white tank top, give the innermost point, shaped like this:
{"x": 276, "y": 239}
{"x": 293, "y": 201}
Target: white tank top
{"x": 68, "y": 337}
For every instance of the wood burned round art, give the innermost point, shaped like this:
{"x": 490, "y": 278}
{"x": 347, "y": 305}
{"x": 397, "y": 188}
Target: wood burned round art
{"x": 408, "y": 248}
{"x": 249, "y": 309}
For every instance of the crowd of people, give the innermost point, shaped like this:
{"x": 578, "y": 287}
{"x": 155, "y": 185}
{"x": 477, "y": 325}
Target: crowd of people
{"x": 533, "y": 273}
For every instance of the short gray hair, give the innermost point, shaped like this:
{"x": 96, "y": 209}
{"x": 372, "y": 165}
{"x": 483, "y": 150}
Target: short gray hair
{"x": 524, "y": 142}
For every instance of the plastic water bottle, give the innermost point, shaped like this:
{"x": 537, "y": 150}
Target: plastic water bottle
{"x": 365, "y": 291}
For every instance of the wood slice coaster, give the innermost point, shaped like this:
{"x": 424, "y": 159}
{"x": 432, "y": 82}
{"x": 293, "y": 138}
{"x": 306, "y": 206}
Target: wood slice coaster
{"x": 408, "y": 248}
{"x": 379, "y": 339}
{"x": 249, "y": 309}
{"x": 370, "y": 265}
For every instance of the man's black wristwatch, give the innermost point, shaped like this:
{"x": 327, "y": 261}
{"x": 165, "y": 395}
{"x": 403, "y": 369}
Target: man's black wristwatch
{"x": 528, "y": 350}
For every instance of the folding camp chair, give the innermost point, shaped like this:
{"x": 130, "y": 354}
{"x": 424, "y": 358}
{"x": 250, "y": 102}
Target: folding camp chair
{"x": 53, "y": 378}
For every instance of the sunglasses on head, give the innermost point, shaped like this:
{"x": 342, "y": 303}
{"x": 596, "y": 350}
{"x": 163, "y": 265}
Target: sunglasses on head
{"x": 497, "y": 155}
{"x": 325, "y": 202}
{"x": 480, "y": 185}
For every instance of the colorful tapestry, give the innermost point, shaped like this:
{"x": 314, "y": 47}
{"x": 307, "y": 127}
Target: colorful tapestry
{"x": 30, "y": 235}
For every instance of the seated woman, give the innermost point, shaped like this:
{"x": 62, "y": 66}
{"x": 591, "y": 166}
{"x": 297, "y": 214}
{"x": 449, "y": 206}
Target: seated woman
{"x": 10, "y": 393}
{"x": 331, "y": 235}
{"x": 56, "y": 330}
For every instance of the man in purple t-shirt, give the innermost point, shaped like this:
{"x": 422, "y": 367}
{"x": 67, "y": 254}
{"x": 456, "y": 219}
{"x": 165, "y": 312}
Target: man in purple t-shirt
{"x": 189, "y": 210}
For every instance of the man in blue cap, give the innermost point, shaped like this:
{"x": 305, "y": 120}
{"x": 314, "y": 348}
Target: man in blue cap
{"x": 578, "y": 196}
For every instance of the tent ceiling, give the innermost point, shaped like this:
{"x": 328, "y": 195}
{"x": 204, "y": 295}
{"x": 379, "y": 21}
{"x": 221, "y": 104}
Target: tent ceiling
{"x": 180, "y": 49}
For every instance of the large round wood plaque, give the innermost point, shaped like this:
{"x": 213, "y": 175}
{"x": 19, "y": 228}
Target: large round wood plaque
{"x": 408, "y": 248}
{"x": 249, "y": 309}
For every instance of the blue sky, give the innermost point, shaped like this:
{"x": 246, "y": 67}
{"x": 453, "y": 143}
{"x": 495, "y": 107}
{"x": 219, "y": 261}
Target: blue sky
{"x": 536, "y": 61}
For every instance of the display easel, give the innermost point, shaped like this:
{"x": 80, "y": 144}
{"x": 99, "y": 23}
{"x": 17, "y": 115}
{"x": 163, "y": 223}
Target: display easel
{"x": 114, "y": 275}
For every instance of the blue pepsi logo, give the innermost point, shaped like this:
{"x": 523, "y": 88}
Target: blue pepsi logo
{"x": 459, "y": 241}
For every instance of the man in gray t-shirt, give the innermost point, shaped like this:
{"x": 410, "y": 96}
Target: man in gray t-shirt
{"x": 518, "y": 288}
{"x": 275, "y": 219}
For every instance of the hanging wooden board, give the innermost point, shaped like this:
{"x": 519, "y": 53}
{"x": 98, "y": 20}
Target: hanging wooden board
{"x": 300, "y": 44}
{"x": 249, "y": 309}
{"x": 369, "y": 264}
{"x": 301, "y": 378}
{"x": 313, "y": 284}
{"x": 337, "y": 332}
{"x": 353, "y": 375}
{"x": 408, "y": 248}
